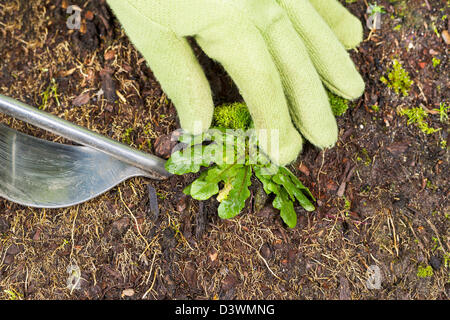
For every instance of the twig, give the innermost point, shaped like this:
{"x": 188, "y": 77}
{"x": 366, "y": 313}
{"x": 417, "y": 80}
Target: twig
{"x": 151, "y": 287}
{"x": 73, "y": 232}
{"x": 436, "y": 232}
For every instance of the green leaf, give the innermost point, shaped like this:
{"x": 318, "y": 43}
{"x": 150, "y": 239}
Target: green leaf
{"x": 266, "y": 180}
{"x": 223, "y": 194}
{"x": 187, "y": 190}
{"x": 185, "y": 161}
{"x": 283, "y": 203}
{"x": 222, "y": 173}
{"x": 207, "y": 184}
{"x": 293, "y": 191}
{"x": 203, "y": 190}
{"x": 211, "y": 154}
{"x": 219, "y": 153}
{"x": 297, "y": 182}
{"x": 235, "y": 201}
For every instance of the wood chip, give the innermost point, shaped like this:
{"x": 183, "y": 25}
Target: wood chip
{"x": 446, "y": 36}
{"x": 66, "y": 73}
{"x": 108, "y": 85}
{"x": 82, "y": 99}
{"x": 89, "y": 15}
{"x": 397, "y": 148}
{"x": 153, "y": 208}
{"x": 304, "y": 169}
{"x": 164, "y": 146}
{"x": 213, "y": 256}
{"x": 109, "y": 55}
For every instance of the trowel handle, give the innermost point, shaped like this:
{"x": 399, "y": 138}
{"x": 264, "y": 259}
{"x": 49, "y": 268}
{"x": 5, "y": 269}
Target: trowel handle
{"x": 83, "y": 136}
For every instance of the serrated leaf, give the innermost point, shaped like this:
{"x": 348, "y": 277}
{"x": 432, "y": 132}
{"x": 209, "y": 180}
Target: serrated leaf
{"x": 283, "y": 203}
{"x": 235, "y": 202}
{"x": 293, "y": 191}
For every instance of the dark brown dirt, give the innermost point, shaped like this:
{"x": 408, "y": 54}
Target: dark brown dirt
{"x": 382, "y": 191}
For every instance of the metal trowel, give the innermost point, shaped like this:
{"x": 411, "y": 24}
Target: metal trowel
{"x": 43, "y": 174}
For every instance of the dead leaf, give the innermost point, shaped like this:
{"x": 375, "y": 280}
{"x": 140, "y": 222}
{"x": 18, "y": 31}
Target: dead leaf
{"x": 397, "y": 148}
{"x": 66, "y": 73}
{"x": 213, "y": 256}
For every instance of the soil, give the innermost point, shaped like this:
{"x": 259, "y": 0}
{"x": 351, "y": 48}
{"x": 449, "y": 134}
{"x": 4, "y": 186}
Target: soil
{"x": 383, "y": 190}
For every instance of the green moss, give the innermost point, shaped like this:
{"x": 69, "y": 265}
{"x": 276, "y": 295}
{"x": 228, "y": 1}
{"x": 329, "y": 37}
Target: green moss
{"x": 365, "y": 154}
{"x": 398, "y": 79}
{"x": 126, "y": 136}
{"x": 376, "y": 9}
{"x": 436, "y": 62}
{"x": 232, "y": 116}
{"x": 444, "y": 109}
{"x": 424, "y": 272}
{"x": 338, "y": 104}
{"x": 417, "y": 116}
{"x": 51, "y": 91}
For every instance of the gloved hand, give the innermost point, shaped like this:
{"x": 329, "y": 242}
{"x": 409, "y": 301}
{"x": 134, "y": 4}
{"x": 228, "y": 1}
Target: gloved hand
{"x": 278, "y": 52}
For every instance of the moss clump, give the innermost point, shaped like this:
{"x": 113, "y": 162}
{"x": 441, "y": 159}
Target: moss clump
{"x": 398, "y": 79}
{"x": 436, "y": 62}
{"x": 338, "y": 104}
{"x": 424, "y": 272}
{"x": 232, "y": 116}
{"x": 126, "y": 136}
{"x": 417, "y": 116}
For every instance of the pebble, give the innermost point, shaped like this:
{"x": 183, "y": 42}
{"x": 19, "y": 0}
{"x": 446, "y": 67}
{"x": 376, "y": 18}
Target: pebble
{"x": 435, "y": 262}
{"x": 128, "y": 293}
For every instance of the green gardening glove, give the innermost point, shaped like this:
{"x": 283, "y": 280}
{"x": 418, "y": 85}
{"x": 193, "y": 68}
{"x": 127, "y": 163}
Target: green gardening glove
{"x": 278, "y": 52}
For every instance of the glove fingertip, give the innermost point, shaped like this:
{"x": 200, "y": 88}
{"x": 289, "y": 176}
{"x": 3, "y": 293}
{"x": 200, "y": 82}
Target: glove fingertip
{"x": 350, "y": 33}
{"x": 326, "y": 137}
{"x": 196, "y": 124}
